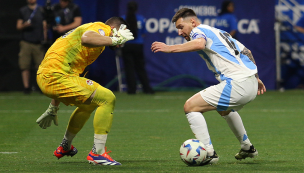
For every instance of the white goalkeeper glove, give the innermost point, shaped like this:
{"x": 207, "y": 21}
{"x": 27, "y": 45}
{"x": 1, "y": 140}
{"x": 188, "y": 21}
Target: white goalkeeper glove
{"x": 45, "y": 120}
{"x": 121, "y": 36}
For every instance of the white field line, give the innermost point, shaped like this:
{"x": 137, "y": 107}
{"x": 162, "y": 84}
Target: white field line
{"x": 42, "y": 97}
{"x": 31, "y": 111}
{"x": 24, "y": 97}
{"x": 146, "y": 110}
{"x": 282, "y": 110}
{"x": 142, "y": 110}
{"x": 170, "y": 97}
{"x": 8, "y": 152}
{"x": 70, "y": 111}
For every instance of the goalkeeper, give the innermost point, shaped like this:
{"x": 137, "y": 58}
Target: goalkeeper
{"x": 58, "y": 78}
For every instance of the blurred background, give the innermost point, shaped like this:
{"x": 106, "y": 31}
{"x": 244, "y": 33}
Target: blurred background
{"x": 267, "y": 28}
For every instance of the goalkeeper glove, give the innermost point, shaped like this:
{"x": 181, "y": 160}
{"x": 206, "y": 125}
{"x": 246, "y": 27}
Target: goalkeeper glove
{"x": 48, "y": 116}
{"x": 121, "y": 36}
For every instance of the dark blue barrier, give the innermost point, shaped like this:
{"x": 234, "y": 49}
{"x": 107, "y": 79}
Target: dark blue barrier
{"x": 255, "y": 25}
{"x": 256, "y": 32}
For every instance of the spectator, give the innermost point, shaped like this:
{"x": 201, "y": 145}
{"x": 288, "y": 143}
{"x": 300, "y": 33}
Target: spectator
{"x": 33, "y": 27}
{"x": 132, "y": 52}
{"x": 67, "y": 16}
{"x": 226, "y": 20}
{"x": 300, "y": 25}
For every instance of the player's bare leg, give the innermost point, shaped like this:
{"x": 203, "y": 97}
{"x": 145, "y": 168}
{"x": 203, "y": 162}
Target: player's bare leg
{"x": 26, "y": 81}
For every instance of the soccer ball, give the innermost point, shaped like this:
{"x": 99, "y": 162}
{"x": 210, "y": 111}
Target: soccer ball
{"x": 193, "y": 152}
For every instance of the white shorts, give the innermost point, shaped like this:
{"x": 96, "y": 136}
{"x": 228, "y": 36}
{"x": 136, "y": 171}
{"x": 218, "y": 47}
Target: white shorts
{"x": 230, "y": 94}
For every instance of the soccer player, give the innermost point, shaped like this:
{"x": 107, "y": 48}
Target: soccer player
{"x": 235, "y": 69}
{"x": 58, "y": 78}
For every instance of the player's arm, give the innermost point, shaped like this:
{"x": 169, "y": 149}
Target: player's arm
{"x": 261, "y": 86}
{"x": 299, "y": 29}
{"x": 64, "y": 28}
{"x": 93, "y": 39}
{"x": 233, "y": 33}
{"x": 248, "y": 53}
{"x": 44, "y": 30}
{"x": 21, "y": 25}
{"x": 191, "y": 46}
{"x": 45, "y": 120}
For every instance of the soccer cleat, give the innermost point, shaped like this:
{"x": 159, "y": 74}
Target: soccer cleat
{"x": 211, "y": 159}
{"x": 103, "y": 159}
{"x": 59, "y": 152}
{"x": 243, "y": 154}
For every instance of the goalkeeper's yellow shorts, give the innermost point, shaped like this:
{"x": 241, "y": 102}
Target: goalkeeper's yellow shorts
{"x": 68, "y": 89}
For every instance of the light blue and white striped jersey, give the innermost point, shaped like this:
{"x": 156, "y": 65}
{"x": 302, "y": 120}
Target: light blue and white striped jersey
{"x": 222, "y": 54}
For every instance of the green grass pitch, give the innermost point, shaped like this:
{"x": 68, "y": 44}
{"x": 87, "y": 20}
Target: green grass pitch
{"x": 147, "y": 132}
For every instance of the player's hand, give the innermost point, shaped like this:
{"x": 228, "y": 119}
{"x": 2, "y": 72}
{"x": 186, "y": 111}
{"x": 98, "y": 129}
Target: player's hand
{"x": 59, "y": 28}
{"x": 121, "y": 36}
{"x": 261, "y": 87}
{"x": 160, "y": 47}
{"x": 27, "y": 24}
{"x": 45, "y": 120}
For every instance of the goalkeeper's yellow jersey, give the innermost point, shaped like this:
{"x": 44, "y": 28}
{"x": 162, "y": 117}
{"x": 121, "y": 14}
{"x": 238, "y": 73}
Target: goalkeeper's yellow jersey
{"x": 68, "y": 56}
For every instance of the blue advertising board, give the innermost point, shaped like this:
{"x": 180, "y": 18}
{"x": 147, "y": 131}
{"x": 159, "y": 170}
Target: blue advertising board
{"x": 255, "y": 31}
{"x": 185, "y": 70}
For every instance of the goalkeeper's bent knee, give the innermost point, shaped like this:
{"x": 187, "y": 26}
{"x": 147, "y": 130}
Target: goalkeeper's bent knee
{"x": 105, "y": 99}
{"x": 104, "y": 96}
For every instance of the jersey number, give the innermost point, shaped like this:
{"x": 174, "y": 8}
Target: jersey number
{"x": 66, "y": 34}
{"x": 231, "y": 44}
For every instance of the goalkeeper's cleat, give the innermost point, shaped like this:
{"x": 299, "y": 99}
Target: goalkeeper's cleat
{"x": 103, "y": 159}
{"x": 211, "y": 159}
{"x": 243, "y": 154}
{"x": 59, "y": 152}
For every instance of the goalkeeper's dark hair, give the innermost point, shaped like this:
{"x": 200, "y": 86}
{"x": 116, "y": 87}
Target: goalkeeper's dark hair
{"x": 183, "y": 13}
{"x": 116, "y": 22}
{"x": 131, "y": 17}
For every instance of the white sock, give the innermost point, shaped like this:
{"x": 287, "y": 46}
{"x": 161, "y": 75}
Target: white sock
{"x": 99, "y": 143}
{"x": 235, "y": 123}
{"x": 199, "y": 127}
{"x": 67, "y": 140}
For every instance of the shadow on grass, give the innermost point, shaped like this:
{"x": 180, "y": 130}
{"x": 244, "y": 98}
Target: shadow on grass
{"x": 163, "y": 165}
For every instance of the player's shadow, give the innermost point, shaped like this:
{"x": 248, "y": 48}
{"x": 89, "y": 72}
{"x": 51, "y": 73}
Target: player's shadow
{"x": 121, "y": 161}
{"x": 143, "y": 161}
{"x": 250, "y": 162}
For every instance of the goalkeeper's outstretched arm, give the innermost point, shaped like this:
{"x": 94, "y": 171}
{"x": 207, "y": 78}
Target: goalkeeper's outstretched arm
{"x": 93, "y": 39}
{"x": 45, "y": 120}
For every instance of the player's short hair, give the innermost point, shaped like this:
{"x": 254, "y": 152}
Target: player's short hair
{"x": 116, "y": 22}
{"x": 183, "y": 13}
